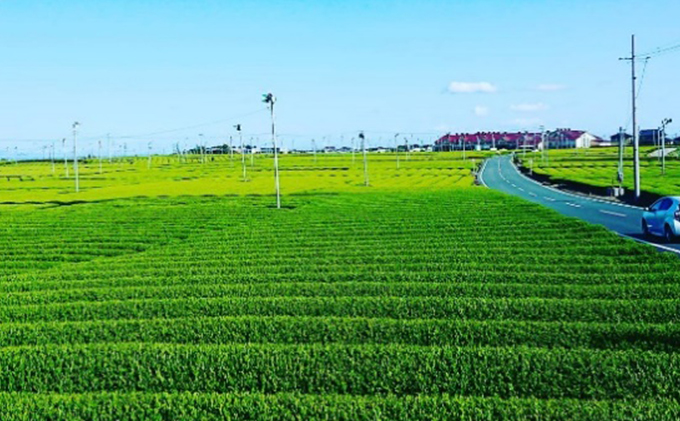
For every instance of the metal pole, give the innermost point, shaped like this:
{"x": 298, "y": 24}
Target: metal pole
{"x": 243, "y": 152}
{"x": 276, "y": 157}
{"x": 636, "y": 134}
{"x": 108, "y": 145}
{"x": 200, "y": 147}
{"x": 547, "y": 148}
{"x": 75, "y": 155}
{"x": 353, "y": 151}
{"x": 100, "y": 155}
{"x": 271, "y": 100}
{"x": 252, "y": 153}
{"x": 408, "y": 148}
{"x": 52, "y": 158}
{"x": 396, "y": 148}
{"x": 620, "y": 170}
{"x": 314, "y": 150}
{"x": 663, "y": 144}
{"x": 363, "y": 147}
{"x": 464, "y": 141}
{"x": 63, "y": 149}
{"x": 231, "y": 148}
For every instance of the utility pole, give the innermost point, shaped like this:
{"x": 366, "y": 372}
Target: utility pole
{"x": 636, "y": 134}
{"x": 363, "y": 147}
{"x": 75, "y": 154}
{"x": 148, "y": 165}
{"x": 271, "y": 100}
{"x": 243, "y": 151}
{"x": 619, "y": 173}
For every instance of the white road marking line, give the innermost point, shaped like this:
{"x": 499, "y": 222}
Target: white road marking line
{"x": 481, "y": 174}
{"x": 520, "y": 189}
{"x": 532, "y": 194}
{"x": 570, "y": 194}
{"x": 660, "y": 246}
{"x": 513, "y": 184}
{"x": 620, "y": 215}
{"x": 573, "y": 205}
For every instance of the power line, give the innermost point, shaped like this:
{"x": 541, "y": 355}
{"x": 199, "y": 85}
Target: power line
{"x": 662, "y": 51}
{"x": 132, "y": 136}
{"x": 195, "y": 126}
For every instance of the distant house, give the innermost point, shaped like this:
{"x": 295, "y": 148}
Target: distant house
{"x": 270, "y": 150}
{"x": 568, "y": 138}
{"x": 558, "y": 139}
{"x": 615, "y": 139}
{"x": 650, "y": 137}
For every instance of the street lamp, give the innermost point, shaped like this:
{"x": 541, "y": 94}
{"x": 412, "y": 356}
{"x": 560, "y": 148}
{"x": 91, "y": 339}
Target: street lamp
{"x": 270, "y": 100}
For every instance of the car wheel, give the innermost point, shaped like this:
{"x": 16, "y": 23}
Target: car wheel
{"x": 645, "y": 229}
{"x": 668, "y": 235}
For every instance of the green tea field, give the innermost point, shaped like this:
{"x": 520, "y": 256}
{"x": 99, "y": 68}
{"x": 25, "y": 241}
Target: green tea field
{"x": 419, "y": 297}
{"x": 598, "y": 167}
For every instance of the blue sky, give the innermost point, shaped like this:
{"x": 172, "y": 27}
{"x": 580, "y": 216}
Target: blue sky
{"x": 134, "y": 69}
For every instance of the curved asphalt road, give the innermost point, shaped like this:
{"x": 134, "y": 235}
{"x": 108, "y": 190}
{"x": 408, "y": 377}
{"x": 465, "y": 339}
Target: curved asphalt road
{"x": 499, "y": 173}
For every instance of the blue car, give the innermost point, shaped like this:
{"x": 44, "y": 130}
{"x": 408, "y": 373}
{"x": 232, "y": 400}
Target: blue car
{"x": 662, "y": 219}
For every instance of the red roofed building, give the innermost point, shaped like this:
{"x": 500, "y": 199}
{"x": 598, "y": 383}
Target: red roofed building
{"x": 487, "y": 140}
{"x": 558, "y": 139}
{"x": 568, "y": 138}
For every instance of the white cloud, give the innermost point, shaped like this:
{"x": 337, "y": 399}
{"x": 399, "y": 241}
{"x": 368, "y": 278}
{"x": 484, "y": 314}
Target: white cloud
{"x": 550, "y": 87}
{"x": 471, "y": 87}
{"x": 481, "y": 111}
{"x": 527, "y": 122}
{"x": 538, "y": 106}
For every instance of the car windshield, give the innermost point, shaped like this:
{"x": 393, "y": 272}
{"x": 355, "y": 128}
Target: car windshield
{"x": 665, "y": 204}
{"x": 656, "y": 205}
